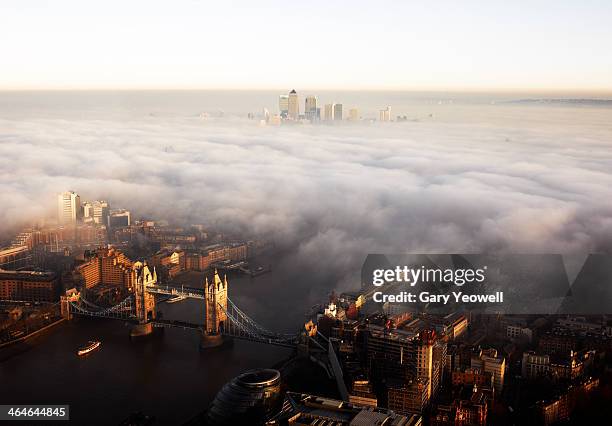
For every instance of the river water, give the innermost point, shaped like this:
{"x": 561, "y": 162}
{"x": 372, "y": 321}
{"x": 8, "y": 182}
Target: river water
{"x": 164, "y": 375}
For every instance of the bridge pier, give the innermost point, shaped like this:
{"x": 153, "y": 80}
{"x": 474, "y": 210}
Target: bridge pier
{"x": 143, "y": 329}
{"x": 209, "y": 341}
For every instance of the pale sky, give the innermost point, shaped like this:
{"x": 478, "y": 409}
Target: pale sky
{"x": 482, "y": 44}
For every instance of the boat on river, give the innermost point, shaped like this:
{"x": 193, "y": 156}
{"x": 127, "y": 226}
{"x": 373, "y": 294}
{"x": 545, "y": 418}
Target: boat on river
{"x": 92, "y": 345}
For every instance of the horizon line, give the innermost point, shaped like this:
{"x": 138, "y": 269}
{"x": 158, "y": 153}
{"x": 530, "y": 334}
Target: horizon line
{"x": 310, "y": 89}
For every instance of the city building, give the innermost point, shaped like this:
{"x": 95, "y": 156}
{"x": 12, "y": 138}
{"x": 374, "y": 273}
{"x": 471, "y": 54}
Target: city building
{"x": 192, "y": 261}
{"x": 557, "y": 366}
{"x": 579, "y": 324}
{"x": 329, "y": 112}
{"x": 557, "y": 341}
{"x": 107, "y": 266}
{"x": 517, "y": 332}
{"x": 408, "y": 396}
{"x": 560, "y": 408}
{"x": 353, "y": 114}
{"x": 442, "y": 415}
{"x": 471, "y": 376}
{"x": 361, "y": 393}
{"x": 283, "y": 105}
{"x": 216, "y": 254}
{"x": 171, "y": 237}
{"x": 29, "y": 286}
{"x": 119, "y": 218}
{"x": 87, "y": 212}
{"x": 68, "y": 208}
{"x": 311, "y": 108}
{"x": 168, "y": 263}
{"x": 338, "y": 112}
{"x": 534, "y": 365}
{"x": 97, "y": 212}
{"x": 56, "y": 239}
{"x": 470, "y": 409}
{"x": 385, "y": 114}
{"x": 411, "y": 359}
{"x": 439, "y": 352}
{"x": 451, "y": 326}
{"x": 454, "y": 355}
{"x": 424, "y": 360}
{"x": 486, "y": 360}
{"x": 26, "y": 238}
{"x": 391, "y": 352}
{"x": 13, "y": 258}
{"x": 305, "y": 409}
{"x": 294, "y": 106}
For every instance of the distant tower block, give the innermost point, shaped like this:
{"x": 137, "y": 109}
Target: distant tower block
{"x": 68, "y": 208}
{"x": 215, "y": 293}
{"x": 294, "y": 106}
{"x": 145, "y": 301}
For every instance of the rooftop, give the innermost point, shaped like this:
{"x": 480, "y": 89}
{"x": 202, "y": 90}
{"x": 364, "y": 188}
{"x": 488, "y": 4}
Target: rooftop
{"x": 27, "y": 275}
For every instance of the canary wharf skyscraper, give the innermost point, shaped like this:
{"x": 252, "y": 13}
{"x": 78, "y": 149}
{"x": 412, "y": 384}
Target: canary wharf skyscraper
{"x": 337, "y": 112}
{"x": 311, "y": 107}
{"x": 294, "y": 105}
{"x": 283, "y": 105}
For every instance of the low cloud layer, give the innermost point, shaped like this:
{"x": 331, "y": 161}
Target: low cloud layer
{"x": 499, "y": 178}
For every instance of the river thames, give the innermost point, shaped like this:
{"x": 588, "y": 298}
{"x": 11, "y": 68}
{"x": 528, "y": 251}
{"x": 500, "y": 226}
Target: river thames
{"x": 164, "y": 375}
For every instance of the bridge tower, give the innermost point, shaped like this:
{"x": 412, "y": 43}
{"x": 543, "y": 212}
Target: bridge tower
{"x": 143, "y": 277}
{"x": 71, "y": 295}
{"x": 215, "y": 294}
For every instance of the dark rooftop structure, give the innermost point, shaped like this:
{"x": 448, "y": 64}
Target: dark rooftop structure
{"x": 299, "y": 408}
{"x": 249, "y": 399}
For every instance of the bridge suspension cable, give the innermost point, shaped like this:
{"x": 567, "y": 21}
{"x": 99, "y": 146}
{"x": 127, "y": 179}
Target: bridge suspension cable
{"x": 241, "y": 326}
{"x": 252, "y": 322}
{"x": 123, "y": 310}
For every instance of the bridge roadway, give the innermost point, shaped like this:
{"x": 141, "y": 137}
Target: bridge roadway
{"x": 242, "y": 336}
{"x": 176, "y": 324}
{"x": 191, "y": 292}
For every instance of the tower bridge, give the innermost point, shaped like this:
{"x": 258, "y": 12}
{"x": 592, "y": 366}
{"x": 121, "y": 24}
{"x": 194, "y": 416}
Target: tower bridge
{"x": 222, "y": 318}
